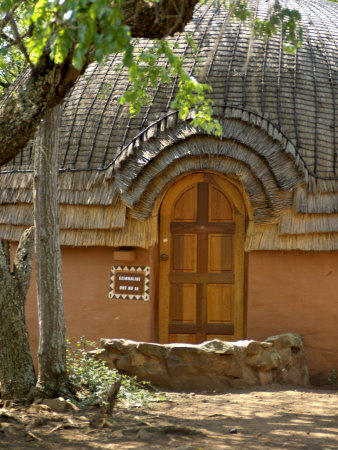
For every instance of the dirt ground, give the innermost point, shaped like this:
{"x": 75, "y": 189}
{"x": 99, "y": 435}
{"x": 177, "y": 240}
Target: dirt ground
{"x": 256, "y": 419}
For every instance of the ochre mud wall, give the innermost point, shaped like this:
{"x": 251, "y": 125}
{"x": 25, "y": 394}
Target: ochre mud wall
{"x": 88, "y": 309}
{"x": 296, "y": 292}
{"x": 286, "y": 292}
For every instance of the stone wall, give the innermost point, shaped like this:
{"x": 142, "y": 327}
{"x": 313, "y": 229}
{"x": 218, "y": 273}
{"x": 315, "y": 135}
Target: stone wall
{"x": 212, "y": 366}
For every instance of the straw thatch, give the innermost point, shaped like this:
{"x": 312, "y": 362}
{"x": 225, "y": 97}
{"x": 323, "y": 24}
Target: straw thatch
{"x": 267, "y": 173}
{"x": 279, "y": 117}
{"x": 290, "y": 223}
{"x": 134, "y": 233}
{"x": 78, "y": 217}
{"x": 260, "y": 237}
{"x": 320, "y": 203}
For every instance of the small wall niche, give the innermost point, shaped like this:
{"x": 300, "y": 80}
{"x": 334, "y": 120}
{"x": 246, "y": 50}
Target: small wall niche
{"x": 124, "y": 254}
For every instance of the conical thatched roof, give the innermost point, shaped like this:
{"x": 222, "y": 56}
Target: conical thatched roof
{"x": 279, "y": 114}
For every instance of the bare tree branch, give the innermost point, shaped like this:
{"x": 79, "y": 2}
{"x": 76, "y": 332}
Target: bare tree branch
{"x": 7, "y": 38}
{"x": 9, "y": 16}
{"x": 19, "y": 41}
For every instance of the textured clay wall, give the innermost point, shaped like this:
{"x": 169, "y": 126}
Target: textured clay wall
{"x": 287, "y": 292}
{"x": 89, "y": 311}
{"x": 296, "y": 292}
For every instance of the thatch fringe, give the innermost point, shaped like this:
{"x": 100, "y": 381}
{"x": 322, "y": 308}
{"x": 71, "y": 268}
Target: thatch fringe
{"x": 87, "y": 187}
{"x": 80, "y": 180}
{"x": 289, "y": 223}
{"x": 16, "y": 180}
{"x": 16, "y": 196}
{"x": 92, "y": 217}
{"x": 67, "y": 180}
{"x": 79, "y": 216}
{"x": 320, "y": 186}
{"x": 255, "y": 140}
{"x": 11, "y": 232}
{"x": 135, "y": 233}
{"x": 105, "y": 194}
{"x": 19, "y": 214}
{"x": 144, "y": 234}
{"x": 98, "y": 195}
{"x": 320, "y": 203}
{"x": 262, "y": 210}
{"x": 250, "y": 122}
{"x": 266, "y": 237}
{"x": 254, "y": 123}
{"x": 207, "y": 153}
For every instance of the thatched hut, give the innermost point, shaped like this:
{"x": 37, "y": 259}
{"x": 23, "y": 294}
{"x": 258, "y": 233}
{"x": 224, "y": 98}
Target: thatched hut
{"x": 170, "y": 234}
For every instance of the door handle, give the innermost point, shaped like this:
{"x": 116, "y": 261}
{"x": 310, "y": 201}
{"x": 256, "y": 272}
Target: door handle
{"x": 164, "y": 257}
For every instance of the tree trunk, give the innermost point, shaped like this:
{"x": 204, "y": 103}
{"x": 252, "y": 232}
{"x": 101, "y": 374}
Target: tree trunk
{"x": 52, "y": 377}
{"x": 17, "y": 374}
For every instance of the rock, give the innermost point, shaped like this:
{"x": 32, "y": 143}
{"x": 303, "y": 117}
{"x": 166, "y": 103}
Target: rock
{"x": 265, "y": 377}
{"x": 58, "y": 405}
{"x": 287, "y": 340}
{"x": 147, "y": 349}
{"x": 144, "y": 435}
{"x": 217, "y": 346}
{"x": 235, "y": 369}
{"x": 213, "y": 365}
{"x": 254, "y": 348}
{"x": 123, "y": 363}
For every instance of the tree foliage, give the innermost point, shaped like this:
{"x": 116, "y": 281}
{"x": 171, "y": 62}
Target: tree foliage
{"x": 48, "y": 36}
{"x": 287, "y": 20}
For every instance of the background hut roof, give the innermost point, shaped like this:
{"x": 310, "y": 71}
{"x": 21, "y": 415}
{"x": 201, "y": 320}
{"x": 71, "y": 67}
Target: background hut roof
{"x": 278, "y": 110}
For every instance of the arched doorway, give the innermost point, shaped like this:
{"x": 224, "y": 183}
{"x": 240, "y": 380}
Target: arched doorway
{"x": 201, "y": 285}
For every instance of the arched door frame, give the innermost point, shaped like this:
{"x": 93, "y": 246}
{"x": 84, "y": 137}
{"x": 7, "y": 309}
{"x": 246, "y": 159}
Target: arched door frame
{"x": 229, "y": 187}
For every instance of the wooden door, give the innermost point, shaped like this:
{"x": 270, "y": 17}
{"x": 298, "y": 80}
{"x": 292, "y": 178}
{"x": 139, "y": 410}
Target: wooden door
{"x": 201, "y": 286}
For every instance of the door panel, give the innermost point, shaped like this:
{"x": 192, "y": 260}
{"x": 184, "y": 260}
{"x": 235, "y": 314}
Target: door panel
{"x": 219, "y": 303}
{"x": 220, "y": 208}
{"x": 184, "y": 252}
{"x": 183, "y": 303}
{"x": 220, "y": 253}
{"x": 201, "y": 287}
{"x": 185, "y": 206}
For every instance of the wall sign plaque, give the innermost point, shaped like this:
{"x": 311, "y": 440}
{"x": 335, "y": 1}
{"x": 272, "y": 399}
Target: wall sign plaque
{"x": 129, "y": 283}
